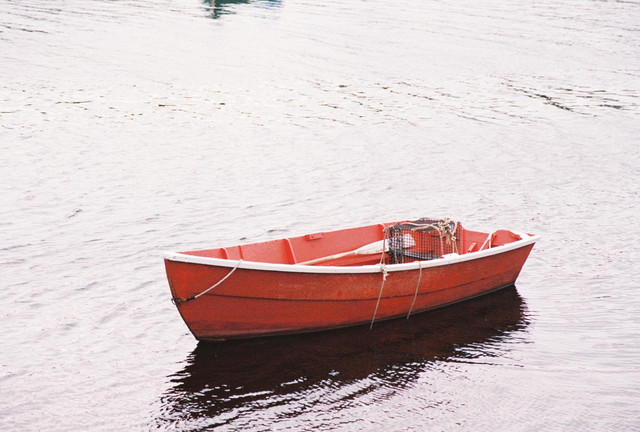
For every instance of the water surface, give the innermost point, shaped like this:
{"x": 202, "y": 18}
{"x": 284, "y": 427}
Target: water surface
{"x": 128, "y": 128}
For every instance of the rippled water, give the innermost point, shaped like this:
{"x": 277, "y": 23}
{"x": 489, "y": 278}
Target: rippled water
{"x": 129, "y": 127}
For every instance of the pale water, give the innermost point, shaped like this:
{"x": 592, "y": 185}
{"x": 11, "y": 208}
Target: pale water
{"x": 132, "y": 127}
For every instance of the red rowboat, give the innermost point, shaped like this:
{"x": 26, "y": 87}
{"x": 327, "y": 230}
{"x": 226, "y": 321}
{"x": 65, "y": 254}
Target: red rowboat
{"x": 340, "y": 278}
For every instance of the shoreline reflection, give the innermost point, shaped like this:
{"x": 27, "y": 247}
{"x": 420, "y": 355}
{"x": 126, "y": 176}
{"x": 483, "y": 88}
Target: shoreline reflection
{"x": 221, "y": 378}
{"x": 226, "y": 7}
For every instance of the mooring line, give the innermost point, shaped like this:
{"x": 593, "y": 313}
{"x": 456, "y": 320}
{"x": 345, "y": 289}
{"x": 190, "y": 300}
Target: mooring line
{"x": 179, "y": 301}
{"x": 383, "y": 269}
{"x": 415, "y": 295}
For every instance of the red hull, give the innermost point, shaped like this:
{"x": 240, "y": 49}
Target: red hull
{"x": 265, "y": 299}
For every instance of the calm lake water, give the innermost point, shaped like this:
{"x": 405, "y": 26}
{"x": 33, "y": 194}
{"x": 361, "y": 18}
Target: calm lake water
{"x": 132, "y": 127}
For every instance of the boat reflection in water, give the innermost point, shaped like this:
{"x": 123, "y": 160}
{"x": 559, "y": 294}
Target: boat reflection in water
{"x": 221, "y": 378}
{"x": 226, "y": 7}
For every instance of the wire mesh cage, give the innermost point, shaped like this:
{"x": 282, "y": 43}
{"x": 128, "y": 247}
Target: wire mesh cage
{"x": 422, "y": 239}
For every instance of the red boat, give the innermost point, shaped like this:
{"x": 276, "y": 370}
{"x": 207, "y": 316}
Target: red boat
{"x": 341, "y": 278}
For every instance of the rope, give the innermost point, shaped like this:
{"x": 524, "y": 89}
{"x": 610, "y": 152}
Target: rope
{"x": 415, "y": 295}
{"x": 453, "y": 238}
{"x": 178, "y": 301}
{"x": 383, "y": 269}
{"x": 384, "y": 246}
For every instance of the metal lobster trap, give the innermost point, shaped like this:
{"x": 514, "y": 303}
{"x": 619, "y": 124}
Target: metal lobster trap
{"x": 422, "y": 239}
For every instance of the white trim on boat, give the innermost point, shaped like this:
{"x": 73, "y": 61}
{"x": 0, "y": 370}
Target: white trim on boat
{"x": 374, "y": 268}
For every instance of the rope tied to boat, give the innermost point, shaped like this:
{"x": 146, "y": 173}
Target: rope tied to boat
{"x": 415, "y": 295}
{"x": 178, "y": 301}
{"x": 444, "y": 230}
{"x": 383, "y": 269}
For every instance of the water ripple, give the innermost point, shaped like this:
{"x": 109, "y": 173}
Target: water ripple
{"x": 130, "y": 127}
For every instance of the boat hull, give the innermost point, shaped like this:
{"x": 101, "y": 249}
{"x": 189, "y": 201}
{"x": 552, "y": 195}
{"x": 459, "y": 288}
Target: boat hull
{"x": 262, "y": 300}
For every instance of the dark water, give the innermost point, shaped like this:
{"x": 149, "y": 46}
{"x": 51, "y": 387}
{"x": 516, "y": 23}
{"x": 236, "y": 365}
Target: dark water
{"x": 309, "y": 380}
{"x": 129, "y": 127}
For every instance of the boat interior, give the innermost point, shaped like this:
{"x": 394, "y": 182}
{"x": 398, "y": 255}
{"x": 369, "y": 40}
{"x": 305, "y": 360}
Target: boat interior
{"x": 339, "y": 248}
